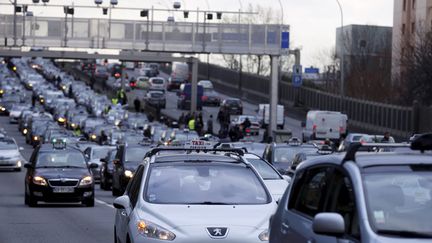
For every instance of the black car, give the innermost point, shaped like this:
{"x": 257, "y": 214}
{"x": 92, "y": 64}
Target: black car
{"x": 233, "y": 106}
{"x": 106, "y": 170}
{"x": 58, "y": 173}
{"x": 126, "y": 161}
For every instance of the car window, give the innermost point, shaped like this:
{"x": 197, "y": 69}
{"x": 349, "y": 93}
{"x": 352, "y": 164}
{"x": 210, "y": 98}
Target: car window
{"x": 264, "y": 169}
{"x": 204, "y": 184}
{"x": 342, "y": 201}
{"x": 7, "y": 144}
{"x": 135, "y": 154}
{"x": 399, "y": 198}
{"x": 134, "y": 186}
{"x": 309, "y": 195}
{"x": 100, "y": 152}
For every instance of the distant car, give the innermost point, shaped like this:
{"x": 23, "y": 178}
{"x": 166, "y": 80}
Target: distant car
{"x": 206, "y": 84}
{"x": 142, "y": 82}
{"x": 94, "y": 154}
{"x": 157, "y": 83}
{"x": 148, "y": 72}
{"x": 233, "y": 106}
{"x": 106, "y": 170}
{"x": 10, "y": 156}
{"x": 255, "y": 125}
{"x": 185, "y": 96}
{"x": 174, "y": 83}
{"x": 101, "y": 73}
{"x": 155, "y": 98}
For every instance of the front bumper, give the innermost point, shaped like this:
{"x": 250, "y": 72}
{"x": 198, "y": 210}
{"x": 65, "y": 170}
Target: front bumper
{"x": 46, "y": 194}
{"x": 11, "y": 164}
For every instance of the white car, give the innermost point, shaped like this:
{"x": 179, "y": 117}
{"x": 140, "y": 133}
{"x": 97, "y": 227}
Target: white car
{"x": 189, "y": 196}
{"x": 275, "y": 182}
{"x": 206, "y": 84}
{"x": 157, "y": 83}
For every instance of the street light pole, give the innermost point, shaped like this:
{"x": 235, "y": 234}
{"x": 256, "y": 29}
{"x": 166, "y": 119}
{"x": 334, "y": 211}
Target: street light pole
{"x": 109, "y": 22}
{"x": 342, "y": 65}
{"x": 282, "y": 12}
{"x": 15, "y": 23}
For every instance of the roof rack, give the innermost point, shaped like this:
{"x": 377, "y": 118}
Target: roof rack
{"x": 154, "y": 151}
{"x": 354, "y": 148}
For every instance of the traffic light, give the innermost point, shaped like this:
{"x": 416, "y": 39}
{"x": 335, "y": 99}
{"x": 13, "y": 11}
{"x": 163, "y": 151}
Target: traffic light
{"x": 209, "y": 16}
{"x": 105, "y": 11}
{"x": 144, "y": 13}
{"x": 186, "y": 14}
{"x": 18, "y": 9}
{"x": 219, "y": 15}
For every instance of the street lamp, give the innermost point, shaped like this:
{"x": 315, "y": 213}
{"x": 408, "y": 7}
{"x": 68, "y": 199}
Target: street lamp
{"x": 17, "y": 10}
{"x": 145, "y": 13}
{"x": 342, "y": 65}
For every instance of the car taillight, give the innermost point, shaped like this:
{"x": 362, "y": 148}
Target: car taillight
{"x": 204, "y": 98}
{"x": 117, "y": 75}
{"x": 247, "y": 130}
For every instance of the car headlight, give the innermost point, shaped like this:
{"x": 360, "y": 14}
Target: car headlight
{"x": 64, "y": 87}
{"x": 128, "y": 173}
{"x": 25, "y": 131}
{"x": 264, "y": 236}
{"x": 152, "y": 230}
{"x": 1, "y": 91}
{"x": 116, "y": 122}
{"x": 73, "y": 125}
{"x": 30, "y": 85}
{"x": 38, "y": 180}
{"x": 85, "y": 181}
{"x": 2, "y": 108}
{"x": 61, "y": 119}
{"x": 93, "y": 136}
{"x": 36, "y": 138}
{"x": 19, "y": 163}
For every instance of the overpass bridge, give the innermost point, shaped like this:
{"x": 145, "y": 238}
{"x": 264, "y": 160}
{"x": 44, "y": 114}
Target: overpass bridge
{"x": 135, "y": 36}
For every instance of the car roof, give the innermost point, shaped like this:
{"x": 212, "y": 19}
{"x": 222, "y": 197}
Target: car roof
{"x": 186, "y": 157}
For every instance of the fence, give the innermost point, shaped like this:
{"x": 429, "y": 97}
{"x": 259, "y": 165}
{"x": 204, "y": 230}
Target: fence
{"x": 363, "y": 115}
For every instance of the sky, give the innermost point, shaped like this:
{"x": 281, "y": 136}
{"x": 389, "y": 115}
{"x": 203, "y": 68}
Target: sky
{"x": 313, "y": 23}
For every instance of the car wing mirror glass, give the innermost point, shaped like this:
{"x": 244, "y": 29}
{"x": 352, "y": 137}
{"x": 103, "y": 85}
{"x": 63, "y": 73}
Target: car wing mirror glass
{"x": 330, "y": 224}
{"x": 122, "y": 202}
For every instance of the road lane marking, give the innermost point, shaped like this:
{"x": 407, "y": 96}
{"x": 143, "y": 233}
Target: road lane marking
{"x": 104, "y": 203}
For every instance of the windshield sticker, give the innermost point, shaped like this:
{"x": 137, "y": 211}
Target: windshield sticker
{"x": 379, "y": 217}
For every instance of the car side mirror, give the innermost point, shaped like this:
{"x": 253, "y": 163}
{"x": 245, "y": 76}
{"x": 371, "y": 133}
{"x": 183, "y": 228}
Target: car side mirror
{"x": 303, "y": 124}
{"x": 122, "y": 202}
{"x": 28, "y": 166}
{"x": 330, "y": 224}
{"x": 103, "y": 160}
{"x": 93, "y": 166}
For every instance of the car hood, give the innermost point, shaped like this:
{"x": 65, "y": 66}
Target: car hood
{"x": 276, "y": 187}
{"x": 180, "y": 216}
{"x": 56, "y": 173}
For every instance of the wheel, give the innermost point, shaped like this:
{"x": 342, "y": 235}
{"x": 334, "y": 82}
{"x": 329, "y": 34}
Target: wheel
{"x": 89, "y": 202}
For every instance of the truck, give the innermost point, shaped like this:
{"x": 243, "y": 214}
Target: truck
{"x": 264, "y": 115}
{"x": 322, "y": 125}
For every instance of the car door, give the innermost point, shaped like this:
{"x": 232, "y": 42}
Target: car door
{"x": 125, "y": 216}
{"x": 306, "y": 199}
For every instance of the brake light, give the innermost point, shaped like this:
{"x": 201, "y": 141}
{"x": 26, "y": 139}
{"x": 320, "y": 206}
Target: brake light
{"x": 204, "y": 98}
{"x": 117, "y": 75}
{"x": 247, "y": 130}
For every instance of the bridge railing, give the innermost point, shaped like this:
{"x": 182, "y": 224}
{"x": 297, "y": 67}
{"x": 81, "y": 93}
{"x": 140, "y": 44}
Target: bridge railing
{"x": 143, "y": 35}
{"x": 366, "y": 115}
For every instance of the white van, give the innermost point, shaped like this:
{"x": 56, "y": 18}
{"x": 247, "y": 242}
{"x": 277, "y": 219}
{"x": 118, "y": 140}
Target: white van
{"x": 324, "y": 125}
{"x": 264, "y": 115}
{"x": 180, "y": 70}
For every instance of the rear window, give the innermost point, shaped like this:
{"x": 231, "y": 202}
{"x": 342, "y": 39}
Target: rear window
{"x": 156, "y": 95}
{"x": 157, "y": 81}
{"x": 204, "y": 184}
{"x": 233, "y": 102}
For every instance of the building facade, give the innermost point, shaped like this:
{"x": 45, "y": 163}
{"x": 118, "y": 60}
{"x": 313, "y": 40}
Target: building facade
{"x": 411, "y": 18}
{"x": 367, "y": 54}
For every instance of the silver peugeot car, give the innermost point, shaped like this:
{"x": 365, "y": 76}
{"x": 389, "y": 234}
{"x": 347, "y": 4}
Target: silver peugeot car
{"x": 194, "y": 197}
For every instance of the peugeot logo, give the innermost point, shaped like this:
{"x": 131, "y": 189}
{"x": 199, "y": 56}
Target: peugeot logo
{"x": 63, "y": 180}
{"x": 217, "y": 232}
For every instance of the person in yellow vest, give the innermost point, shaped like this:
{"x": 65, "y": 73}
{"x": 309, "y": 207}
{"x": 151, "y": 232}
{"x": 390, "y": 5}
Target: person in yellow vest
{"x": 114, "y": 101}
{"x": 191, "y": 124}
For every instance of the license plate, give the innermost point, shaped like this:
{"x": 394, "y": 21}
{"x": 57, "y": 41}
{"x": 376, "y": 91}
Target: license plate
{"x": 63, "y": 189}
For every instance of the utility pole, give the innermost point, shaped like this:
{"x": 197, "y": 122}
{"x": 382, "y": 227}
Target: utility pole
{"x": 342, "y": 64}
{"x": 15, "y": 23}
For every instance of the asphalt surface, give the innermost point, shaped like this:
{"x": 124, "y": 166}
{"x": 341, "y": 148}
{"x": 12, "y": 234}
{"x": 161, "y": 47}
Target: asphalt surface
{"x": 56, "y": 223}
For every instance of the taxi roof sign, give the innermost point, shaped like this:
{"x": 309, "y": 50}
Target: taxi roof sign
{"x": 59, "y": 143}
{"x": 198, "y": 145}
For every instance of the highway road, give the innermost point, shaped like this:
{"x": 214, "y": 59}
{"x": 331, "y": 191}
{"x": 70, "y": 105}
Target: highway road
{"x": 49, "y": 223}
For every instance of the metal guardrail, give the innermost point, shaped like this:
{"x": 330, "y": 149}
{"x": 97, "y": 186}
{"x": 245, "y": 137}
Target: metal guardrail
{"x": 142, "y": 35}
{"x": 371, "y": 116}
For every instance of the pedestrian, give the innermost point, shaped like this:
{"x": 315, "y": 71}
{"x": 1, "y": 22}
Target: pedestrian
{"x": 147, "y": 132}
{"x": 181, "y": 119}
{"x": 210, "y": 125}
{"x": 191, "y": 124}
{"x": 34, "y": 99}
{"x": 114, "y": 101}
{"x": 198, "y": 126}
{"x": 77, "y": 132}
{"x": 122, "y": 97}
{"x": 70, "y": 91}
{"x": 186, "y": 119}
{"x": 137, "y": 105}
{"x": 386, "y": 138}
{"x": 103, "y": 139}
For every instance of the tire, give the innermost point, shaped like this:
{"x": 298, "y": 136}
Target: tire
{"x": 89, "y": 202}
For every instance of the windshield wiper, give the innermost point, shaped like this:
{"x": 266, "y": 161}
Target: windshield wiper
{"x": 212, "y": 203}
{"x": 407, "y": 234}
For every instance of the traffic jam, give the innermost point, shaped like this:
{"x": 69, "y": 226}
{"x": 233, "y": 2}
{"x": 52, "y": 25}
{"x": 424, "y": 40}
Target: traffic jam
{"x": 96, "y": 127}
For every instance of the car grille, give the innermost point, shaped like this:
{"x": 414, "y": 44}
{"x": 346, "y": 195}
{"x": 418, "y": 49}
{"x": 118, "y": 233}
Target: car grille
{"x": 63, "y": 182}
{"x": 9, "y": 164}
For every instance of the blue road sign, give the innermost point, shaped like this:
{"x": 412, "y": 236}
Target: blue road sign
{"x": 285, "y": 40}
{"x": 311, "y": 70}
{"x": 297, "y": 80}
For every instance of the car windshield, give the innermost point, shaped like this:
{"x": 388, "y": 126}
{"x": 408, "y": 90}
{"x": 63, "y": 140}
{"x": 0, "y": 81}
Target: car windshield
{"x": 7, "y": 144}
{"x": 61, "y": 158}
{"x": 399, "y": 198}
{"x": 135, "y": 154}
{"x": 204, "y": 184}
{"x": 286, "y": 154}
{"x": 100, "y": 152}
{"x": 156, "y": 94}
{"x": 264, "y": 169}
{"x": 233, "y": 102}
